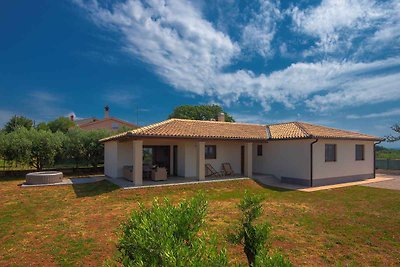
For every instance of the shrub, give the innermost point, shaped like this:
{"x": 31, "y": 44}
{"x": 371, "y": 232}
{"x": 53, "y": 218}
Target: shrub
{"x": 253, "y": 237}
{"x": 168, "y": 235}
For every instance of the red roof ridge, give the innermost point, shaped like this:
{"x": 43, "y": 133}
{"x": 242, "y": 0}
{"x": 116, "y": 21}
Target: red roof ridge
{"x": 222, "y": 122}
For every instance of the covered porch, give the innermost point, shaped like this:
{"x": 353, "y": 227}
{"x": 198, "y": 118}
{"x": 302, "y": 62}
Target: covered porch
{"x": 184, "y": 160}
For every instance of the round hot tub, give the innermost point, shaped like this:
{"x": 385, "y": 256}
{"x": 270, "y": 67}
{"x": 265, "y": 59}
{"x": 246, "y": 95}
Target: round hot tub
{"x": 46, "y": 177}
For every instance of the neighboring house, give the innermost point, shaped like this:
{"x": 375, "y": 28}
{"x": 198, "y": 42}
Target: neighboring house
{"x": 294, "y": 152}
{"x": 109, "y": 123}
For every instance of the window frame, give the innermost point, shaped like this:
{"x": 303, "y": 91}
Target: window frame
{"x": 259, "y": 150}
{"x": 362, "y": 151}
{"x": 208, "y": 155}
{"x": 327, "y": 159}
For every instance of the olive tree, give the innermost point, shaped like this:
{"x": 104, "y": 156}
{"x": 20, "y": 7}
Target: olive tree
{"x": 17, "y": 122}
{"x": 253, "y": 237}
{"x": 45, "y": 145}
{"x": 17, "y": 146}
{"x": 168, "y": 235}
{"x": 93, "y": 149}
{"x": 74, "y": 145}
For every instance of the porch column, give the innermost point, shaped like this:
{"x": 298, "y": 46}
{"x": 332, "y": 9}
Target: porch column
{"x": 201, "y": 162}
{"x": 137, "y": 162}
{"x": 248, "y": 159}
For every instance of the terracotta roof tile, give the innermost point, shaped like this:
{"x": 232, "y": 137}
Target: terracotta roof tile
{"x": 179, "y": 128}
{"x": 198, "y": 129}
{"x": 293, "y": 130}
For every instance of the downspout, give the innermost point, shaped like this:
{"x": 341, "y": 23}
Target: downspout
{"x": 375, "y": 157}
{"x": 311, "y": 161}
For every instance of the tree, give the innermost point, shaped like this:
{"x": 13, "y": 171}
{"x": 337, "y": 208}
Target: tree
{"x": 17, "y": 122}
{"x": 168, "y": 235}
{"x": 74, "y": 145}
{"x": 254, "y": 237}
{"x": 42, "y": 126}
{"x": 61, "y": 124}
{"x": 392, "y": 138}
{"x": 45, "y": 146}
{"x": 2, "y": 145}
{"x": 200, "y": 112}
{"x": 17, "y": 146}
{"x": 93, "y": 149}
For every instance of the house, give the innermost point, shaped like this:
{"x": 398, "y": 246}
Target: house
{"x": 294, "y": 152}
{"x": 109, "y": 123}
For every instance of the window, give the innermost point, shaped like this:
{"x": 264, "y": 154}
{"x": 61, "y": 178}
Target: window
{"x": 211, "y": 152}
{"x": 330, "y": 152}
{"x": 259, "y": 150}
{"x": 359, "y": 152}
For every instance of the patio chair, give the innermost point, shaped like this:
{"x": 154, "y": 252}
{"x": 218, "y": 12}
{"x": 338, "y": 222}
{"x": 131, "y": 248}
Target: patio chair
{"x": 210, "y": 171}
{"x": 227, "y": 168}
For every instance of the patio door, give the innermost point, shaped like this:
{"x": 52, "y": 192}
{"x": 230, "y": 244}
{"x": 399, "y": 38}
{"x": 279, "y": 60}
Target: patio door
{"x": 242, "y": 160}
{"x": 157, "y": 155}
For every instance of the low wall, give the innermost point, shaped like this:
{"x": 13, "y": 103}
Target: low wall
{"x": 388, "y": 164}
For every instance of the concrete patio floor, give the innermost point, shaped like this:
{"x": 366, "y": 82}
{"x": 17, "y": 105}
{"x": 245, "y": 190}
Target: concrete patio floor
{"x": 172, "y": 181}
{"x": 265, "y": 180}
{"x": 71, "y": 181}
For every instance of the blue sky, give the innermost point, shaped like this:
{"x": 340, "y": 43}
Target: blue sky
{"x": 335, "y": 63}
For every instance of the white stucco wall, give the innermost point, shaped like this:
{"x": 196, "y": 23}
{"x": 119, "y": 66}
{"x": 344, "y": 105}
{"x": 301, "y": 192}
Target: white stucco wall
{"x": 227, "y": 152}
{"x": 345, "y": 164}
{"x": 289, "y": 158}
{"x": 111, "y": 159}
{"x": 125, "y": 156}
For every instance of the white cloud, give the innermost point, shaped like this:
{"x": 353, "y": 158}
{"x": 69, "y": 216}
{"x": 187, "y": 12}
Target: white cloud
{"x": 258, "y": 33}
{"x": 388, "y": 113}
{"x": 337, "y": 23}
{"x": 171, "y": 35}
{"x": 191, "y": 55}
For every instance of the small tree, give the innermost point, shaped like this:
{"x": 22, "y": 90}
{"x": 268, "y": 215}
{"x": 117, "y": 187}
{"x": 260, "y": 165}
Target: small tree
{"x": 17, "y": 146}
{"x": 17, "y": 122}
{"x": 74, "y": 145}
{"x": 168, "y": 235}
{"x": 45, "y": 146}
{"x": 42, "y": 126}
{"x": 62, "y": 124}
{"x": 3, "y": 144}
{"x": 253, "y": 237}
{"x": 93, "y": 149}
{"x": 200, "y": 112}
{"x": 392, "y": 138}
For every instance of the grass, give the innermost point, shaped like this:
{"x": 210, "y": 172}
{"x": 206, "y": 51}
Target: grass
{"x": 79, "y": 225}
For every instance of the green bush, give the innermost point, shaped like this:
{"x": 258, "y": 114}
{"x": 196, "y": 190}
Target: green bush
{"x": 168, "y": 235}
{"x": 254, "y": 237}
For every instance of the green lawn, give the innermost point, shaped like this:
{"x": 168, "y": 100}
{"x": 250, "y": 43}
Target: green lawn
{"x": 78, "y": 225}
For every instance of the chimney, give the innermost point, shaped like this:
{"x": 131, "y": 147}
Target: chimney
{"x": 221, "y": 116}
{"x": 106, "y": 111}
